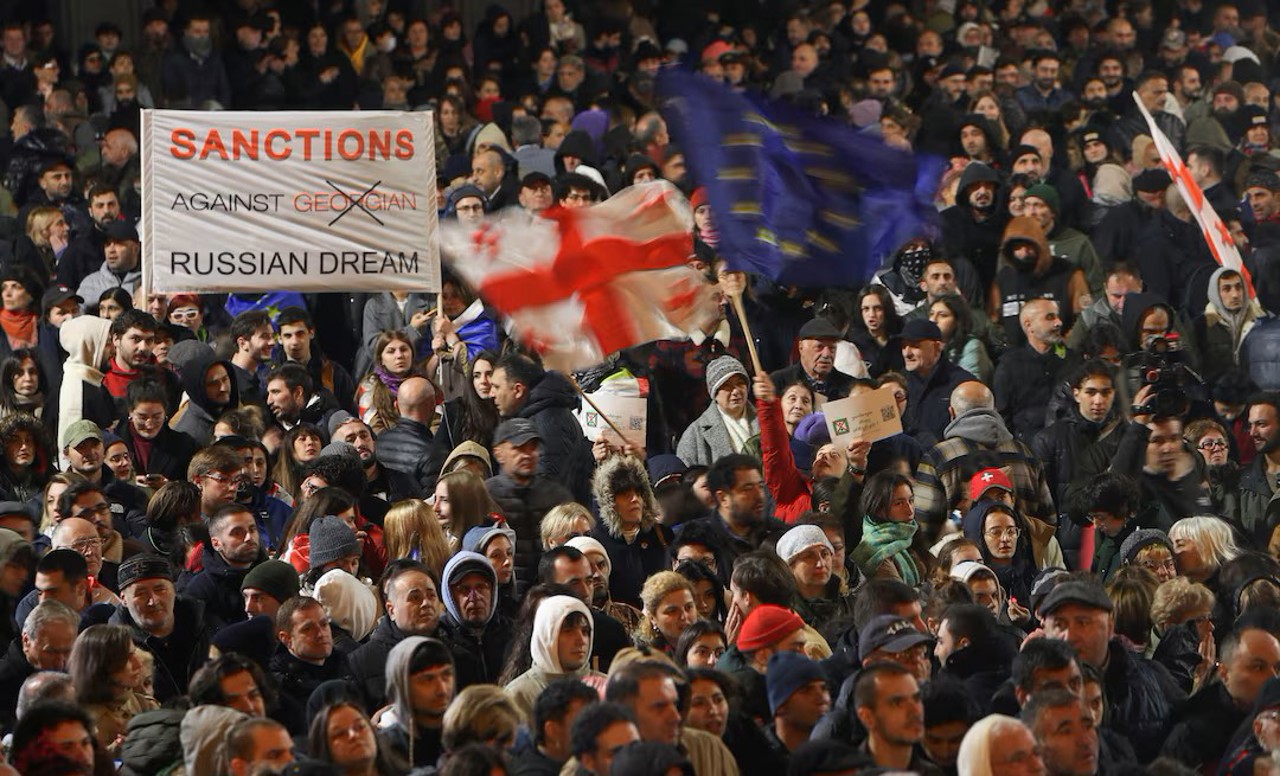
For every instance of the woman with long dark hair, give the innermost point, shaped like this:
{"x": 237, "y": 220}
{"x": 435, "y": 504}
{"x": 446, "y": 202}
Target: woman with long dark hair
{"x": 107, "y": 673}
{"x": 300, "y": 446}
{"x": 954, "y": 318}
{"x": 24, "y": 386}
{"x": 888, "y": 531}
{"x": 875, "y": 328}
{"x": 342, "y": 735}
{"x": 471, "y": 416}
{"x": 393, "y": 363}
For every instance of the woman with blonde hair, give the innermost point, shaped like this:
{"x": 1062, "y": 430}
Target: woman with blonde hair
{"x": 1202, "y": 545}
{"x": 670, "y": 607}
{"x": 481, "y": 714}
{"x": 564, "y": 522}
{"x": 461, "y": 503}
{"x": 411, "y": 530}
{"x": 107, "y": 673}
{"x": 47, "y": 229}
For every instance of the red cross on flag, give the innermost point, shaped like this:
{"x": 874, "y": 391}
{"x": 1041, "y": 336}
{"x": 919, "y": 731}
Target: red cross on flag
{"x": 1214, "y": 231}
{"x": 579, "y": 284}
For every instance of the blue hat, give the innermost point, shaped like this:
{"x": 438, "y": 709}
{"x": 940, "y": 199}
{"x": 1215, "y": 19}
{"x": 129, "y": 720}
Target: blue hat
{"x": 787, "y": 673}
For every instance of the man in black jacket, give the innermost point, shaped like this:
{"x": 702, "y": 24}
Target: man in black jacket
{"x": 523, "y": 491}
{"x": 304, "y": 658}
{"x": 45, "y": 645}
{"x": 522, "y": 389}
{"x": 931, "y": 378}
{"x": 297, "y": 345}
{"x": 234, "y": 547}
{"x": 170, "y": 627}
{"x": 1141, "y": 695}
{"x": 1203, "y": 728}
{"x": 1027, "y": 375}
{"x": 413, "y": 609}
{"x": 407, "y": 444}
{"x": 816, "y": 343}
{"x": 476, "y": 633}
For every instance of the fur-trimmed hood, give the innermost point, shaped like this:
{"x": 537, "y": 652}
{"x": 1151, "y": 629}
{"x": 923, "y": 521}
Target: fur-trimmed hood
{"x": 619, "y": 474}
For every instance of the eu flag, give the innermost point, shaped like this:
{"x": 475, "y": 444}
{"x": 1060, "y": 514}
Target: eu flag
{"x": 802, "y": 199}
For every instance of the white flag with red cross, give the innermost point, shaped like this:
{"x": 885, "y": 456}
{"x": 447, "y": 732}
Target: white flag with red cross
{"x": 580, "y": 284}
{"x": 1215, "y": 232}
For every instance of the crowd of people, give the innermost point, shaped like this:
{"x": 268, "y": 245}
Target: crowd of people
{"x": 367, "y": 534}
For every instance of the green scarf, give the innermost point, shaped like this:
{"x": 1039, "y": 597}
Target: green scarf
{"x": 887, "y": 540}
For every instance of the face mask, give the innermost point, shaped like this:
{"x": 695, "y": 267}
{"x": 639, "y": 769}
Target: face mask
{"x": 200, "y": 45}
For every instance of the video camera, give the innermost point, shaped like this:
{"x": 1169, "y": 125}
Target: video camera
{"x": 1162, "y": 365}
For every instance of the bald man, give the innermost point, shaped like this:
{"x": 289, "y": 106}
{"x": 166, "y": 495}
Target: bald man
{"x": 977, "y": 435}
{"x": 403, "y": 447}
{"x": 1075, "y": 201}
{"x": 1027, "y": 375}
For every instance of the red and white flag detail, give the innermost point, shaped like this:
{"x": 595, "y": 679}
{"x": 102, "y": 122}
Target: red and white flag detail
{"x": 1214, "y": 231}
{"x": 579, "y": 284}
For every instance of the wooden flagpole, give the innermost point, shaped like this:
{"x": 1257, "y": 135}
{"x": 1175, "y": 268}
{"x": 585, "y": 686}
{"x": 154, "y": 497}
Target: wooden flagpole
{"x": 746, "y": 330}
{"x": 593, "y": 406}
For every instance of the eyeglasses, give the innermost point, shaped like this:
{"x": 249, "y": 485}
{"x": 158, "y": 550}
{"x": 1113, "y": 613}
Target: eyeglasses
{"x": 147, "y": 420}
{"x": 1213, "y": 444}
{"x": 239, "y": 479}
{"x": 86, "y": 546}
{"x": 1002, "y": 533}
{"x": 1151, "y": 565}
{"x": 184, "y": 315}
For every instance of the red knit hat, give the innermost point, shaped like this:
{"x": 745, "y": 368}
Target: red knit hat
{"x": 767, "y": 624}
{"x": 699, "y": 197}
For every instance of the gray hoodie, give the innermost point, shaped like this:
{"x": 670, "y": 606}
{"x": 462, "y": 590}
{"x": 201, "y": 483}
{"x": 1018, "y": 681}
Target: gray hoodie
{"x": 399, "y": 694}
{"x": 204, "y": 738}
{"x": 461, "y": 564}
{"x": 982, "y": 425}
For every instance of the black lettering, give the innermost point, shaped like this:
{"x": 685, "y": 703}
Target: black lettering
{"x": 349, "y": 259}
{"x": 409, "y": 264}
{"x": 226, "y": 263}
{"x": 328, "y": 263}
{"x": 297, "y": 263}
{"x": 275, "y": 264}
{"x": 179, "y": 261}
{"x": 179, "y": 200}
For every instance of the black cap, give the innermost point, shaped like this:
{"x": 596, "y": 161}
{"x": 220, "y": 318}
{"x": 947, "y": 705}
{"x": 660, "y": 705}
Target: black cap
{"x": 55, "y": 161}
{"x": 890, "y": 633}
{"x": 1088, "y": 594}
{"x": 121, "y": 230}
{"x": 17, "y": 508}
{"x": 140, "y": 567}
{"x": 1023, "y": 150}
{"x": 535, "y": 178}
{"x": 1151, "y": 181}
{"x": 918, "y": 329}
{"x": 952, "y": 69}
{"x": 56, "y": 295}
{"x": 819, "y": 328}
{"x": 517, "y": 431}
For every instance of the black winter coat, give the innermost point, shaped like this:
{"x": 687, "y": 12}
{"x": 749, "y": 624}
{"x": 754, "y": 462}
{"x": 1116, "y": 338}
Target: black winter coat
{"x": 566, "y": 453}
{"x": 634, "y": 562}
{"x": 478, "y": 658}
{"x": 14, "y": 670}
{"x": 982, "y": 668}
{"x": 1023, "y": 383}
{"x": 218, "y": 586}
{"x": 1141, "y": 697}
{"x": 1203, "y": 728}
{"x": 297, "y": 680}
{"x": 368, "y": 664}
{"x": 171, "y": 452}
{"x": 524, "y": 506}
{"x": 181, "y": 653}
{"x": 401, "y": 449}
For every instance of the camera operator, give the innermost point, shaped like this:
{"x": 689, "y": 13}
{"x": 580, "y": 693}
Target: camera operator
{"x": 1153, "y": 452}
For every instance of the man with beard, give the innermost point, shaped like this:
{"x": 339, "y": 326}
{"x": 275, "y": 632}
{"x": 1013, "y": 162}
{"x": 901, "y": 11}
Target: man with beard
{"x": 355, "y": 432}
{"x": 1188, "y": 90}
{"x": 1043, "y": 204}
{"x": 1110, "y": 69}
{"x": 1225, "y": 124}
{"x": 1258, "y": 479}
{"x": 234, "y": 547}
{"x": 1207, "y": 165}
{"x": 1032, "y": 271}
{"x": 737, "y": 520}
{"x": 1043, "y": 93}
{"x": 1026, "y": 376}
{"x": 977, "y": 140}
{"x": 84, "y": 255}
{"x": 816, "y": 344}
{"x": 887, "y": 699}
{"x": 1262, "y": 192}
{"x": 1228, "y": 318}
{"x": 133, "y": 334}
{"x": 169, "y": 626}
{"x": 972, "y": 227}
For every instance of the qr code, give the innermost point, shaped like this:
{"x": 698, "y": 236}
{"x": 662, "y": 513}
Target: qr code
{"x": 888, "y": 413}
{"x": 593, "y": 420}
{"x": 841, "y": 426}
{"x": 637, "y": 423}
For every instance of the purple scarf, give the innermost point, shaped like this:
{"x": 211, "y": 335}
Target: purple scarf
{"x": 391, "y": 381}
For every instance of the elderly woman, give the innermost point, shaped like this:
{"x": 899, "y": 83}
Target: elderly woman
{"x": 728, "y": 422}
{"x": 669, "y": 608}
{"x": 564, "y": 522}
{"x": 629, "y": 529}
{"x": 1150, "y": 549}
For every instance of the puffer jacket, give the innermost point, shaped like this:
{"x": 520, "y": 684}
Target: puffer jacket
{"x": 218, "y": 585}
{"x": 1262, "y": 351}
{"x": 153, "y": 743}
{"x": 367, "y": 665}
{"x": 524, "y": 507}
{"x": 1141, "y": 696}
{"x": 400, "y": 449}
{"x": 632, "y": 561}
{"x": 566, "y": 453}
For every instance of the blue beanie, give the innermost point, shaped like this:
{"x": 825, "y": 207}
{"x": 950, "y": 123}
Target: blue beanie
{"x": 787, "y": 673}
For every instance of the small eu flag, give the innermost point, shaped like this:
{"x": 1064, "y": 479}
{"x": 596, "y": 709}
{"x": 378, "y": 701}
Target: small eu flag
{"x": 799, "y": 198}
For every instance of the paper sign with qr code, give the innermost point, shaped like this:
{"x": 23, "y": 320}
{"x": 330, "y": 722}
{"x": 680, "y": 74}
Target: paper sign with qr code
{"x": 627, "y": 413}
{"x": 868, "y": 416}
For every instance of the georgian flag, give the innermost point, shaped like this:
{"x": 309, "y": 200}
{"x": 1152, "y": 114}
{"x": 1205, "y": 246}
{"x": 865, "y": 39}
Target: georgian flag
{"x": 580, "y": 284}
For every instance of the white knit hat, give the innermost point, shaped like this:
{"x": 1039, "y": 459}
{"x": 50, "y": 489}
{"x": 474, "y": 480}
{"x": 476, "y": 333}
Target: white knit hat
{"x": 801, "y": 538}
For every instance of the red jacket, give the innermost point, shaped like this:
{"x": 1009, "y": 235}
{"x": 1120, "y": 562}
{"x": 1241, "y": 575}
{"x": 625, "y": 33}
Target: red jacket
{"x": 791, "y": 490}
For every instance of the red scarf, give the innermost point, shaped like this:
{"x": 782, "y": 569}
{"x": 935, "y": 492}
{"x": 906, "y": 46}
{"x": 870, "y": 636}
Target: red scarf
{"x": 20, "y": 327}
{"x": 117, "y": 380}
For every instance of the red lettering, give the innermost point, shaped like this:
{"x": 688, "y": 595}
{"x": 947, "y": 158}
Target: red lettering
{"x": 213, "y": 144}
{"x": 270, "y": 148}
{"x": 404, "y": 145}
{"x": 183, "y": 145}
{"x": 379, "y": 145}
{"x": 343, "y": 145}
{"x": 328, "y": 145}
{"x": 242, "y": 144}
{"x": 307, "y": 135}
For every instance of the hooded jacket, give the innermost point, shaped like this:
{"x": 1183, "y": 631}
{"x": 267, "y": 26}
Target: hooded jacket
{"x": 478, "y": 652}
{"x": 1015, "y": 577}
{"x": 1220, "y": 333}
{"x": 402, "y": 730}
{"x": 85, "y": 340}
{"x": 1049, "y": 278}
{"x": 368, "y": 663}
{"x": 197, "y": 415}
{"x": 566, "y": 453}
{"x": 204, "y": 735}
{"x": 963, "y": 235}
{"x": 350, "y": 603}
{"x": 633, "y": 559}
{"x": 552, "y": 612}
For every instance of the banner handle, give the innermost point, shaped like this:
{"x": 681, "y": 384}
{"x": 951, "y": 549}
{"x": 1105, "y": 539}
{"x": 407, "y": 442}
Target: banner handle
{"x": 746, "y": 329}
{"x": 606, "y": 418}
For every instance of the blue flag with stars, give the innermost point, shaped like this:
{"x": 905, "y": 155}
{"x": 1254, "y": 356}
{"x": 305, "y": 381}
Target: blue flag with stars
{"x": 799, "y": 198}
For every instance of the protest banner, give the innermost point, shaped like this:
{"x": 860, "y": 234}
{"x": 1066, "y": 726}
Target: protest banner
{"x": 868, "y": 416}
{"x": 304, "y": 201}
{"x": 629, "y": 415}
